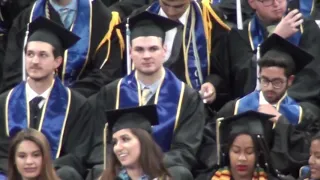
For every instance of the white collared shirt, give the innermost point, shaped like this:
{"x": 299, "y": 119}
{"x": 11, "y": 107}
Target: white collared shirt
{"x": 32, "y": 94}
{"x": 171, "y": 34}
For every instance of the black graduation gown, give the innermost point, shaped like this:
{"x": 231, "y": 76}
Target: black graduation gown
{"x": 77, "y": 135}
{"x": 229, "y": 10}
{"x": 176, "y": 61}
{"x": 92, "y": 78}
{"x": 186, "y": 138}
{"x": 290, "y": 144}
{"x": 235, "y": 65}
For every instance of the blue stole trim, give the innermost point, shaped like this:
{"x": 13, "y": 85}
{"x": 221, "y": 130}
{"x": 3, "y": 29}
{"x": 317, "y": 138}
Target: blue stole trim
{"x": 306, "y": 7}
{"x": 53, "y": 118}
{"x": 287, "y": 106}
{"x": 215, "y": 2}
{"x": 256, "y": 34}
{"x": 167, "y": 100}
{"x": 195, "y": 17}
{"x": 76, "y": 57}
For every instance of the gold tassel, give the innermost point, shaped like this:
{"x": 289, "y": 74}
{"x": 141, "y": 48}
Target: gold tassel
{"x": 207, "y": 8}
{"x": 115, "y": 20}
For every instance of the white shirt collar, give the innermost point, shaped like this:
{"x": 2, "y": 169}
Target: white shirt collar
{"x": 182, "y": 19}
{"x": 32, "y": 94}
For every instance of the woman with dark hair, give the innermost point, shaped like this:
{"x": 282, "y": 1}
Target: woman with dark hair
{"x": 133, "y": 154}
{"x": 244, "y": 147}
{"x": 30, "y": 157}
{"x": 314, "y": 160}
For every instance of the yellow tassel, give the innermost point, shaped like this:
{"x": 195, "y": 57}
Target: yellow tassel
{"x": 115, "y": 20}
{"x": 207, "y": 8}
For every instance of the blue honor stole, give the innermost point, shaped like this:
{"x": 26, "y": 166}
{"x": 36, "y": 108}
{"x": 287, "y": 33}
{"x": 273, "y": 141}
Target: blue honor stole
{"x": 306, "y": 7}
{"x": 287, "y": 106}
{"x": 168, "y": 98}
{"x": 53, "y": 117}
{"x": 256, "y": 34}
{"x": 195, "y": 45}
{"x": 76, "y": 57}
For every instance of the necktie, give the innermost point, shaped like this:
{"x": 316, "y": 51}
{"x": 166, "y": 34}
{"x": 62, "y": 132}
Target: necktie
{"x": 65, "y": 16}
{"x": 34, "y": 103}
{"x": 145, "y": 94}
{"x": 34, "y": 110}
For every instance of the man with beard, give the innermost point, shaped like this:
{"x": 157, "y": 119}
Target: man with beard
{"x": 42, "y": 102}
{"x": 89, "y": 64}
{"x": 236, "y": 63}
{"x": 294, "y": 124}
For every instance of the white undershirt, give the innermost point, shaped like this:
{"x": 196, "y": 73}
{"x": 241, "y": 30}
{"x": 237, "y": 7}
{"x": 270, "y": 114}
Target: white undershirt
{"x": 32, "y": 94}
{"x": 171, "y": 34}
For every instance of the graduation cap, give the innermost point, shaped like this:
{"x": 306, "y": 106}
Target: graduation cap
{"x": 143, "y": 117}
{"x": 250, "y": 122}
{"x": 44, "y": 30}
{"x": 145, "y": 24}
{"x": 281, "y": 47}
{"x": 148, "y": 24}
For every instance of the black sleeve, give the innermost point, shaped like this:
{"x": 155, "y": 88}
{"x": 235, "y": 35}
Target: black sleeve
{"x": 188, "y": 134}
{"x": 291, "y": 144}
{"x": 220, "y": 71}
{"x": 12, "y": 64}
{"x": 78, "y": 140}
{"x": 4, "y": 139}
{"x": 103, "y": 69}
{"x": 126, "y": 7}
{"x": 207, "y": 154}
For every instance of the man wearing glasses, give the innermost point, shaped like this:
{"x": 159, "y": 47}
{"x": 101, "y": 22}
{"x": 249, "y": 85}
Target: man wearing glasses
{"x": 294, "y": 123}
{"x": 236, "y": 62}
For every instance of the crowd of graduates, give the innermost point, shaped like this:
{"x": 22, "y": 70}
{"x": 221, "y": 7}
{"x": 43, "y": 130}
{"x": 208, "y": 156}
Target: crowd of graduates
{"x": 168, "y": 89}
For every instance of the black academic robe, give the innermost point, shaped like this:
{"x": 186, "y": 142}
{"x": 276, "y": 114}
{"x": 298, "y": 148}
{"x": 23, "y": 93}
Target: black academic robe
{"x": 93, "y": 77}
{"x": 176, "y": 61}
{"x": 77, "y": 136}
{"x": 186, "y": 138}
{"x": 289, "y": 147}
{"x": 229, "y": 10}
{"x": 235, "y": 66}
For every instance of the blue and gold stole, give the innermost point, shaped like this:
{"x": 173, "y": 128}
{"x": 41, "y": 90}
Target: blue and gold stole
{"x": 306, "y": 7}
{"x": 287, "y": 106}
{"x": 168, "y": 98}
{"x": 76, "y": 57}
{"x": 198, "y": 27}
{"x": 53, "y": 117}
{"x": 256, "y": 34}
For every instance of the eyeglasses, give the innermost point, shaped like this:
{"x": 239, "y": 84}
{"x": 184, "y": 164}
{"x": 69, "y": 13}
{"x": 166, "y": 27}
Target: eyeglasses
{"x": 267, "y": 3}
{"x": 277, "y": 83}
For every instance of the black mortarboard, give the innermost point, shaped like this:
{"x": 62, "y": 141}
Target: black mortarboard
{"x": 143, "y": 117}
{"x": 44, "y": 30}
{"x": 148, "y": 24}
{"x": 277, "y": 46}
{"x": 249, "y": 122}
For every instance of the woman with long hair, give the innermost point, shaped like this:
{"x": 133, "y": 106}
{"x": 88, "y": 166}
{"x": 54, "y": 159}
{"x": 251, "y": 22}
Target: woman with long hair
{"x": 133, "y": 154}
{"x": 30, "y": 157}
{"x": 244, "y": 147}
